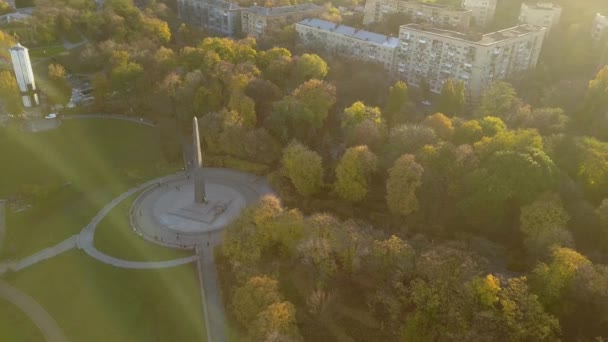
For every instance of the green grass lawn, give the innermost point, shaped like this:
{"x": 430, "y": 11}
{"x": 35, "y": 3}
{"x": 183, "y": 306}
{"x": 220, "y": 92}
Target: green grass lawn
{"x": 115, "y": 237}
{"x": 92, "y": 301}
{"x": 46, "y": 51}
{"x": 16, "y": 326}
{"x": 73, "y": 172}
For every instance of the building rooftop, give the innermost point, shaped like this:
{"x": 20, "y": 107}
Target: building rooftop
{"x": 542, "y": 5}
{"x": 283, "y": 10}
{"x": 18, "y": 47}
{"x": 224, "y": 5}
{"x": 351, "y": 32}
{"x": 430, "y": 4}
{"x": 486, "y": 39}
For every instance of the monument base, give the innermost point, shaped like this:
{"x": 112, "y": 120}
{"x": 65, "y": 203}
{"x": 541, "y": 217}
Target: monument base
{"x": 203, "y": 212}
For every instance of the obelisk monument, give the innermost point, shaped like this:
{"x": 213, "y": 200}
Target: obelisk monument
{"x": 197, "y": 170}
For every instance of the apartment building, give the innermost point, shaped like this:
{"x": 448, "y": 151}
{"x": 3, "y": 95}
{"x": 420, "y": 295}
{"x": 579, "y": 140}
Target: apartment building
{"x": 255, "y": 20}
{"x": 348, "y": 41}
{"x": 599, "y": 29}
{"x": 220, "y": 16}
{"x": 545, "y": 14}
{"x": 420, "y": 12}
{"x": 482, "y": 11}
{"x": 431, "y": 56}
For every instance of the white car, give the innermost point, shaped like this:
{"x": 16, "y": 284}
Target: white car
{"x": 51, "y": 116}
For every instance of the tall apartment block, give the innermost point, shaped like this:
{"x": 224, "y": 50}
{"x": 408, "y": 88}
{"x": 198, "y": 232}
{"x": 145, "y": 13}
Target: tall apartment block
{"x": 482, "y": 11}
{"x": 255, "y": 20}
{"x": 219, "y": 16}
{"x": 430, "y": 55}
{"x": 24, "y": 75}
{"x": 348, "y": 41}
{"x": 599, "y": 29}
{"x": 545, "y": 14}
{"x": 420, "y": 12}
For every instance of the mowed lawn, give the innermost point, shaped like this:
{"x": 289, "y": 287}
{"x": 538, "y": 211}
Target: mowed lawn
{"x": 73, "y": 171}
{"x": 95, "y": 302}
{"x": 16, "y": 326}
{"x": 46, "y": 51}
{"x": 115, "y": 237}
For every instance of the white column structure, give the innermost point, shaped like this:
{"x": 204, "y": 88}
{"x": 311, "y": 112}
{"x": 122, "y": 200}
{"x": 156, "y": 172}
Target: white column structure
{"x": 24, "y": 75}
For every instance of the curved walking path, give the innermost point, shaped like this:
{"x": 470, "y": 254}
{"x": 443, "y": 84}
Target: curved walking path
{"x": 33, "y": 310}
{"x": 137, "y": 120}
{"x": 85, "y": 240}
{"x": 44, "y": 254}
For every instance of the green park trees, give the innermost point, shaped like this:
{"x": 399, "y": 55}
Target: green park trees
{"x": 553, "y": 279}
{"x": 468, "y": 132}
{"x": 407, "y": 138}
{"x": 363, "y": 125}
{"x": 59, "y": 90}
{"x": 397, "y": 104}
{"x": 592, "y": 118}
{"x": 452, "y": 98}
{"x": 258, "y": 306}
{"x": 353, "y": 173}
{"x": 500, "y": 99}
{"x": 419, "y": 197}
{"x": 303, "y": 167}
{"x": 441, "y": 124}
{"x": 253, "y": 297}
{"x": 404, "y": 178}
{"x": 304, "y": 112}
{"x": 277, "y": 322}
{"x": 310, "y": 66}
{"x": 544, "y": 223}
{"x": 9, "y": 92}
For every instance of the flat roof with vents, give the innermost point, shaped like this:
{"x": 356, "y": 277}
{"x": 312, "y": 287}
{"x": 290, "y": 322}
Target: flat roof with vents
{"x": 351, "y": 32}
{"x": 486, "y": 39}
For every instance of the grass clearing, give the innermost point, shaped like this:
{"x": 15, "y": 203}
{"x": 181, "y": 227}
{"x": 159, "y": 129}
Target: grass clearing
{"x": 46, "y": 51}
{"x": 92, "y": 301}
{"x": 68, "y": 175}
{"x": 16, "y": 326}
{"x": 115, "y": 237}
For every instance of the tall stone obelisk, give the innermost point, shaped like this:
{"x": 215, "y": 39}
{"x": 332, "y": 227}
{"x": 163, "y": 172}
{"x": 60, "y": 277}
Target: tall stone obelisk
{"x": 197, "y": 170}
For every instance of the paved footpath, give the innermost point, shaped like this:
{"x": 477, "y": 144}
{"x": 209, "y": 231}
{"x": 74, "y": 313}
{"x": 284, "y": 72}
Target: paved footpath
{"x": 213, "y": 306}
{"x": 44, "y": 254}
{"x": 86, "y": 237}
{"x": 134, "y": 119}
{"x": 34, "y": 311}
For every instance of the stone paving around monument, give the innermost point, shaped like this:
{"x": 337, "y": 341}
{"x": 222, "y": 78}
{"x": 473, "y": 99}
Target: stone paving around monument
{"x": 158, "y": 213}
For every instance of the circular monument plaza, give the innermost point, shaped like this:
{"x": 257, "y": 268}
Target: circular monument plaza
{"x": 190, "y": 209}
{"x": 168, "y": 214}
